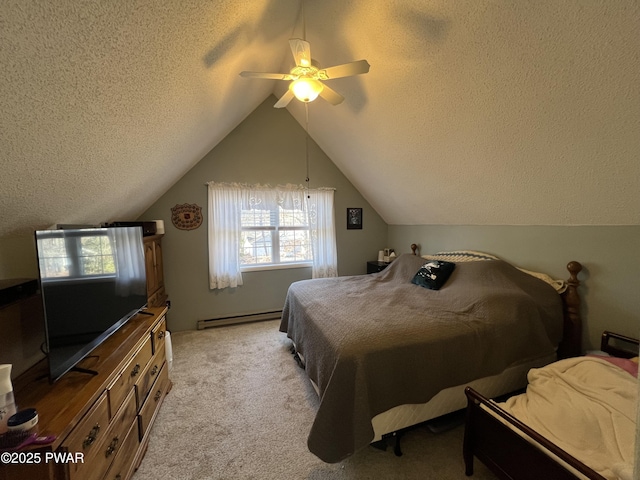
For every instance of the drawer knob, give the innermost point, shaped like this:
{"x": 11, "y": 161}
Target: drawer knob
{"x": 88, "y": 441}
{"x": 136, "y": 370}
{"x": 154, "y": 370}
{"x": 158, "y": 395}
{"x": 112, "y": 447}
{"x": 160, "y": 334}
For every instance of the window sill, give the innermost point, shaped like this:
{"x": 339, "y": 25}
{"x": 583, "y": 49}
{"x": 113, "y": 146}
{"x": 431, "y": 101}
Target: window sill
{"x": 274, "y": 266}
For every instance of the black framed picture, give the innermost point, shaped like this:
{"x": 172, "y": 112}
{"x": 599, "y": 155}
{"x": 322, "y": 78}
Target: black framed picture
{"x": 354, "y": 218}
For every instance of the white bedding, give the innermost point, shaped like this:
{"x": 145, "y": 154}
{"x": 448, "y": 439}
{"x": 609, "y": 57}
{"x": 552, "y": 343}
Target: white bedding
{"x": 453, "y": 398}
{"x": 585, "y": 405}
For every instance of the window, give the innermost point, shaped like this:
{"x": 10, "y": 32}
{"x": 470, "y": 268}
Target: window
{"x": 256, "y": 226}
{"x": 73, "y": 256}
{"x": 275, "y": 236}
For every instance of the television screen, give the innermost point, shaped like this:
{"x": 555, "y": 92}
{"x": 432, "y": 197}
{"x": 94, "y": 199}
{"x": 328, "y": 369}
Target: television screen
{"x": 92, "y": 281}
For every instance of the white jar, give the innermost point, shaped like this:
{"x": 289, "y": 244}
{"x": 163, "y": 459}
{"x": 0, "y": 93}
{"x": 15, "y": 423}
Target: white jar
{"x": 7, "y": 402}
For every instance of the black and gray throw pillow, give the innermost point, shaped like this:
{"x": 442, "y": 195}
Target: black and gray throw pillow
{"x": 433, "y": 274}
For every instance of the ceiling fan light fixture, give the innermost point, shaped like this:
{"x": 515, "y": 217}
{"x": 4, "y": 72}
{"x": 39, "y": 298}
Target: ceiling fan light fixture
{"x": 306, "y": 89}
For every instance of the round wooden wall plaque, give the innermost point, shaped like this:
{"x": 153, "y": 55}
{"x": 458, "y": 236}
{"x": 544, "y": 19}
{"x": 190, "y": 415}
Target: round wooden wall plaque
{"x": 187, "y": 216}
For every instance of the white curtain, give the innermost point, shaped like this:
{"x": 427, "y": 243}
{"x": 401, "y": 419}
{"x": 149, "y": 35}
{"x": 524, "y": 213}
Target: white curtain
{"x": 126, "y": 245}
{"x": 226, "y": 201}
{"x": 225, "y": 207}
{"x": 323, "y": 233}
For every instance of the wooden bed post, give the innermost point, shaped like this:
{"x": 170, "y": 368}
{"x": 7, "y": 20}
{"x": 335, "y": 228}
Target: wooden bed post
{"x": 571, "y": 344}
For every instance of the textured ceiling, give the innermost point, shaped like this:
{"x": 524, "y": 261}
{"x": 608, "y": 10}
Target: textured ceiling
{"x": 513, "y": 112}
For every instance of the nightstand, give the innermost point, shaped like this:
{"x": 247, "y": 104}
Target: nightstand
{"x": 374, "y": 267}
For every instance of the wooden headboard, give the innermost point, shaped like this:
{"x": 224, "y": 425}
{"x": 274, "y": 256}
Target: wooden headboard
{"x": 571, "y": 343}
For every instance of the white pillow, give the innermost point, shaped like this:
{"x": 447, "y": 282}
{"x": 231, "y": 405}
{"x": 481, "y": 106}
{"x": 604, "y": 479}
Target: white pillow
{"x": 559, "y": 285}
{"x": 474, "y": 256}
{"x": 460, "y": 256}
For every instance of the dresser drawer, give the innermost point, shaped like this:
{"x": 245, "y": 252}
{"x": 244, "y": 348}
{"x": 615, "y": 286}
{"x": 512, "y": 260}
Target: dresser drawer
{"x": 155, "y": 398}
{"x": 87, "y": 436}
{"x": 128, "y": 377}
{"x": 158, "y": 335}
{"x": 111, "y": 442}
{"x": 122, "y": 464}
{"x": 149, "y": 376}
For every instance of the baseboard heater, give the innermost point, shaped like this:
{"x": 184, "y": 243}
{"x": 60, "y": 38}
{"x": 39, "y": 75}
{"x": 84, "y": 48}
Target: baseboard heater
{"x": 233, "y": 320}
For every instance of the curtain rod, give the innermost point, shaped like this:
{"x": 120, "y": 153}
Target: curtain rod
{"x": 266, "y": 185}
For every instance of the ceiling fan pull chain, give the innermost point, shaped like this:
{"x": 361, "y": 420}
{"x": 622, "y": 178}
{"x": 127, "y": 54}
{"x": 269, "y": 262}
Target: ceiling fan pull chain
{"x": 304, "y": 23}
{"x": 306, "y": 129}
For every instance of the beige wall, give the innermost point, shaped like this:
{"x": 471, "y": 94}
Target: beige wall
{"x": 267, "y": 147}
{"x": 609, "y": 255}
{"x": 18, "y": 257}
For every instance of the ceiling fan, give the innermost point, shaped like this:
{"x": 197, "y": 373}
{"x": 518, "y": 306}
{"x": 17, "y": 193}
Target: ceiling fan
{"x": 307, "y": 76}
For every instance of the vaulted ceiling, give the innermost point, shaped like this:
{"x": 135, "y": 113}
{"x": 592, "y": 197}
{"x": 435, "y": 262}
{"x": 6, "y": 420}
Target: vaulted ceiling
{"x": 513, "y": 112}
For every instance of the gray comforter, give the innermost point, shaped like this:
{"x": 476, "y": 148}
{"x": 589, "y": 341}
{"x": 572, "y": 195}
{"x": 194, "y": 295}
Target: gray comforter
{"x": 372, "y": 342}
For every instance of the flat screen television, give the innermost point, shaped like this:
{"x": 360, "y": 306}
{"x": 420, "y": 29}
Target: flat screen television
{"x": 92, "y": 281}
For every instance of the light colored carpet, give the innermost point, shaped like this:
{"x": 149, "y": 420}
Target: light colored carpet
{"x": 241, "y": 408}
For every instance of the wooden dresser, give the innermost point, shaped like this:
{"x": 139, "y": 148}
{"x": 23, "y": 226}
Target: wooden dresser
{"x": 153, "y": 265}
{"x": 104, "y": 419}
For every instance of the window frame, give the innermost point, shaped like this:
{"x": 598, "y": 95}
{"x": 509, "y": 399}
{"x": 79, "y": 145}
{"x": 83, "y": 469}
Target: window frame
{"x": 274, "y": 230}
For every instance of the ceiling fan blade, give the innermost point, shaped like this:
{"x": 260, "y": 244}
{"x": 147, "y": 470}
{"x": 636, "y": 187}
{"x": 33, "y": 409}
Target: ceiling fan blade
{"x": 331, "y": 96}
{"x": 271, "y": 76}
{"x": 284, "y": 99}
{"x": 301, "y": 52}
{"x": 345, "y": 70}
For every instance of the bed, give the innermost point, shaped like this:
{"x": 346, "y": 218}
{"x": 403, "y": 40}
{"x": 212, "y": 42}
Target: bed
{"x": 384, "y": 353}
{"x": 576, "y": 420}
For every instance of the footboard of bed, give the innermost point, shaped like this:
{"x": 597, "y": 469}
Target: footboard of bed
{"x": 504, "y": 450}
